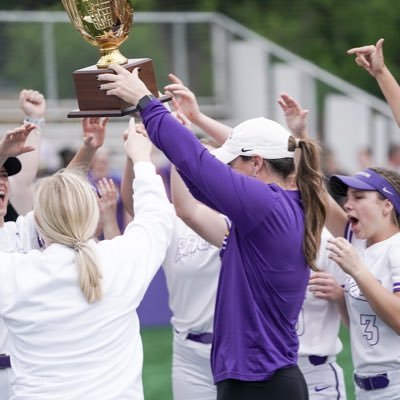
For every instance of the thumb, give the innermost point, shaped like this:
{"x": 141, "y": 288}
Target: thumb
{"x": 132, "y": 126}
{"x": 173, "y": 78}
{"x": 27, "y": 149}
{"x": 379, "y": 44}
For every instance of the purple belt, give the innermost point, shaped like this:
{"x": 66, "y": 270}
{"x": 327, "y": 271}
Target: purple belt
{"x": 317, "y": 360}
{"x": 372, "y": 382}
{"x": 205, "y": 338}
{"x": 4, "y": 361}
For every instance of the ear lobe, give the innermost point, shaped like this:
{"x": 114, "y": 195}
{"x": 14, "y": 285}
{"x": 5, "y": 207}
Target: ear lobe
{"x": 388, "y": 207}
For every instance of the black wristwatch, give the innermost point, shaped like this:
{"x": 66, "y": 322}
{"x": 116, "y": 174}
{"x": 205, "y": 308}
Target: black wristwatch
{"x": 142, "y": 103}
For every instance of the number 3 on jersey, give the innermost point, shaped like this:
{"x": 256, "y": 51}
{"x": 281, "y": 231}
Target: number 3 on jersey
{"x": 370, "y": 330}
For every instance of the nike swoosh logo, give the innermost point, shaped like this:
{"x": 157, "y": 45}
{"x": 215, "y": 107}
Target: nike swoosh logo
{"x": 245, "y": 150}
{"x": 387, "y": 191}
{"x": 320, "y": 388}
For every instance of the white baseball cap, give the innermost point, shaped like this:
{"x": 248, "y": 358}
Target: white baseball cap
{"x": 257, "y": 136}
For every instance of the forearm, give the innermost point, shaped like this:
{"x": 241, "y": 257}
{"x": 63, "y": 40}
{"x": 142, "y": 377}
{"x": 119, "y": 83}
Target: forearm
{"x": 30, "y": 161}
{"x": 203, "y": 220}
{"x": 110, "y": 227}
{"x": 182, "y": 199}
{"x": 21, "y": 183}
{"x": 217, "y": 130}
{"x": 385, "y": 303}
{"x": 126, "y": 186}
{"x": 83, "y": 158}
{"x": 391, "y": 90}
{"x": 336, "y": 218}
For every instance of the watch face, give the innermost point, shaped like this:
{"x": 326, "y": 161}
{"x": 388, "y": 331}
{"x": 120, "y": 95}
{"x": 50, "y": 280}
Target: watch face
{"x": 144, "y": 101}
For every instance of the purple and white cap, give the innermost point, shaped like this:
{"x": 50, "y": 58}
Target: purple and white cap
{"x": 366, "y": 180}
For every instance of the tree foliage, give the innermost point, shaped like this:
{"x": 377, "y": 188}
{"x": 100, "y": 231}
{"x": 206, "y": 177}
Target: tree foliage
{"x": 318, "y": 30}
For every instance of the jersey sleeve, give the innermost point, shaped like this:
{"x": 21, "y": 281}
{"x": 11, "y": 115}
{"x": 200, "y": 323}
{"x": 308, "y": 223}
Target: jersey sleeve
{"x": 394, "y": 259}
{"x": 143, "y": 245}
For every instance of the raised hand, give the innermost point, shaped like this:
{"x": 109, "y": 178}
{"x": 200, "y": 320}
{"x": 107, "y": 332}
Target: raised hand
{"x": 13, "y": 142}
{"x": 324, "y": 286}
{"x": 296, "y": 117}
{"x": 32, "y": 103}
{"x": 344, "y": 254}
{"x": 94, "y": 130}
{"x": 184, "y": 98}
{"x": 108, "y": 197}
{"x": 137, "y": 145}
{"x": 124, "y": 84}
{"x": 370, "y": 57}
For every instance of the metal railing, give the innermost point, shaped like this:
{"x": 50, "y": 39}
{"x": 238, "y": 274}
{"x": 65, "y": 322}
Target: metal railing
{"x": 222, "y": 29}
{"x": 194, "y": 45}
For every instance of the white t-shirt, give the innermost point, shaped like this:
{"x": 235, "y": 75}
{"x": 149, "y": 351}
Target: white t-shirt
{"x": 61, "y": 346}
{"x": 192, "y": 267}
{"x": 375, "y": 346}
{"x": 319, "y": 319}
{"x": 20, "y": 236}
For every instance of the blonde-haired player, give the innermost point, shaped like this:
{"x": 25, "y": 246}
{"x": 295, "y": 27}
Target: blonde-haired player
{"x": 71, "y": 309}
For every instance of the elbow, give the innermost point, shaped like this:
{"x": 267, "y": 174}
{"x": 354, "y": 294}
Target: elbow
{"x": 182, "y": 212}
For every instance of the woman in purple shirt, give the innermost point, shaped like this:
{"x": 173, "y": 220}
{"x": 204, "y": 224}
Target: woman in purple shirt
{"x": 273, "y": 240}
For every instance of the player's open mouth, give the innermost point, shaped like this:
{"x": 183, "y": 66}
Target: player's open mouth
{"x": 353, "y": 222}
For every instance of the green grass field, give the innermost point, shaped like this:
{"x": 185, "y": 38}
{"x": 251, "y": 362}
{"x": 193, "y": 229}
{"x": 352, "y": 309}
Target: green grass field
{"x": 157, "y": 347}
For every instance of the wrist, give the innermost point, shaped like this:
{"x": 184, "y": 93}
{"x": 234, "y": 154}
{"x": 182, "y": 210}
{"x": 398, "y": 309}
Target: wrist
{"x": 145, "y": 99}
{"x": 380, "y": 72}
{"x": 196, "y": 118}
{"x": 38, "y": 121}
{"x": 136, "y": 160}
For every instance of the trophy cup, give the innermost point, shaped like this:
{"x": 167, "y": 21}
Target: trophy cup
{"x": 105, "y": 24}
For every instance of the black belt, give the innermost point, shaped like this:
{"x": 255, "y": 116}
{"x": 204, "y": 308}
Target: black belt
{"x": 372, "y": 382}
{"x": 317, "y": 360}
{"x": 205, "y": 338}
{"x": 5, "y": 361}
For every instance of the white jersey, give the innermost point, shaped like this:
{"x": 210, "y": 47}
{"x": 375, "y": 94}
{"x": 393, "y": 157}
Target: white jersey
{"x": 319, "y": 319}
{"x": 62, "y": 346}
{"x": 192, "y": 267}
{"x": 375, "y": 346}
{"x": 20, "y": 236}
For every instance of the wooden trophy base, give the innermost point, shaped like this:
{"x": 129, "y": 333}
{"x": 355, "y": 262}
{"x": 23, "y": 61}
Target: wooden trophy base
{"x": 93, "y": 102}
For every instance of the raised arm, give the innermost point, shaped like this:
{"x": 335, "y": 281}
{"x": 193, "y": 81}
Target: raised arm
{"x": 386, "y": 304}
{"x": 296, "y": 120}
{"x": 185, "y": 99}
{"x": 108, "y": 196}
{"x": 94, "y": 130}
{"x": 14, "y": 142}
{"x": 209, "y": 180}
{"x": 371, "y": 59}
{"x": 207, "y": 223}
{"x": 33, "y": 105}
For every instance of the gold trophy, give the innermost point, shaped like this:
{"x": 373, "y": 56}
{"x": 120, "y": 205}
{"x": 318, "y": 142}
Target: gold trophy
{"x": 105, "y": 24}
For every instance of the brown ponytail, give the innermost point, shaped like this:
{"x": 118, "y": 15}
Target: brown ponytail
{"x": 310, "y": 182}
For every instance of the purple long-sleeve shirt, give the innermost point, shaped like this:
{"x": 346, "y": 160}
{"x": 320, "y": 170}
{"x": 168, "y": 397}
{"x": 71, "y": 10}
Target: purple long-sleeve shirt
{"x": 264, "y": 272}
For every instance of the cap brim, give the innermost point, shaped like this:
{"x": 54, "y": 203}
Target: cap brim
{"x": 223, "y": 155}
{"x": 339, "y": 184}
{"x": 12, "y": 166}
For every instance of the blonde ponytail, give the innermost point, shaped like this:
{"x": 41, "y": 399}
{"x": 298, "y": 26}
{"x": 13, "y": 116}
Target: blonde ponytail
{"x": 66, "y": 212}
{"x": 89, "y": 273}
